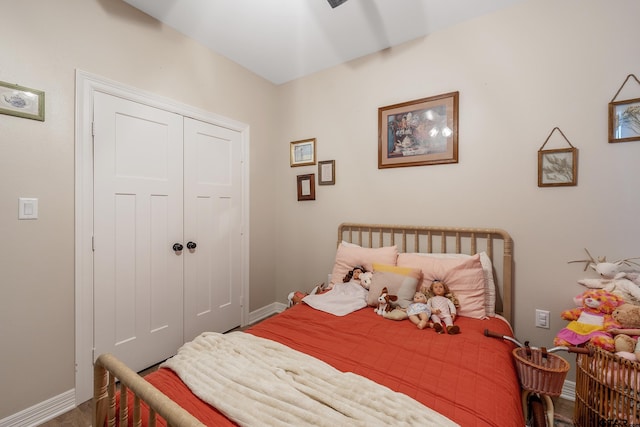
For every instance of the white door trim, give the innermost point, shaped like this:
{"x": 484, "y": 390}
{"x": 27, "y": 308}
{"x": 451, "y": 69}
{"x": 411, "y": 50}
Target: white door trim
{"x": 86, "y": 85}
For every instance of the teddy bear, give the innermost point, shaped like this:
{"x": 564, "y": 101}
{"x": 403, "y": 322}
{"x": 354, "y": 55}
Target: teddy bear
{"x": 591, "y": 321}
{"x": 626, "y": 336}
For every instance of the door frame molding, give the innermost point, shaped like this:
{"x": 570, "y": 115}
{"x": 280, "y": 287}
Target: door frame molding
{"x": 86, "y": 85}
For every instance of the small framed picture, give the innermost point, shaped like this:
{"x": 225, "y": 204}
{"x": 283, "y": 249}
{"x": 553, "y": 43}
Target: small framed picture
{"x": 624, "y": 120}
{"x": 21, "y": 101}
{"x": 557, "y": 168}
{"x": 419, "y": 132}
{"x": 303, "y": 152}
{"x": 327, "y": 172}
{"x": 306, "y": 187}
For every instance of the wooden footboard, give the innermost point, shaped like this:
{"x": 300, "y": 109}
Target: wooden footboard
{"x": 106, "y": 372}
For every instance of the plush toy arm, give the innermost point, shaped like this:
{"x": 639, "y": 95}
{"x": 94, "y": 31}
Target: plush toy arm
{"x": 610, "y": 323}
{"x": 625, "y": 331}
{"x": 572, "y": 314}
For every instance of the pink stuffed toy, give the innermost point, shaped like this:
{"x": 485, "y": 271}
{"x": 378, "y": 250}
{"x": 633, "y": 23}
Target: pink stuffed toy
{"x": 591, "y": 321}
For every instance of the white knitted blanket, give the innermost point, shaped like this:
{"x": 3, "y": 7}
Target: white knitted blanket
{"x": 258, "y": 382}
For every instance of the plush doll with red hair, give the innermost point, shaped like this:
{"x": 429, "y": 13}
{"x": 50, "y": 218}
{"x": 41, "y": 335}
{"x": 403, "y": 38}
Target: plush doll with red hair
{"x": 591, "y": 321}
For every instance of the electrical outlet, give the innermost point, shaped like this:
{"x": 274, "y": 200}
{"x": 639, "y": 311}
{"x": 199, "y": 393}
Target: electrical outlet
{"x": 542, "y": 319}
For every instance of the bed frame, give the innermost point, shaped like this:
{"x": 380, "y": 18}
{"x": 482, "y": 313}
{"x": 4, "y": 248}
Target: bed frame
{"x": 497, "y": 243}
{"x": 457, "y": 240}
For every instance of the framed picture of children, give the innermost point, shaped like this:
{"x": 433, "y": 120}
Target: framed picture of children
{"x": 419, "y": 132}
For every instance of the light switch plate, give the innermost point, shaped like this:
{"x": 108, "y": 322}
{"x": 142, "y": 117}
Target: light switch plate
{"x": 28, "y": 208}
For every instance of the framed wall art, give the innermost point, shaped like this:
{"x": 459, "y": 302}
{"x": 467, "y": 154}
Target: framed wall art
{"x": 21, "y": 101}
{"x": 327, "y": 172}
{"x": 419, "y": 132}
{"x": 303, "y": 152}
{"x": 306, "y": 187}
{"x": 624, "y": 117}
{"x": 557, "y": 167}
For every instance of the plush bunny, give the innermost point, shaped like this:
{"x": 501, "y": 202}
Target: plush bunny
{"x": 384, "y": 302}
{"x": 365, "y": 279}
{"x": 591, "y": 321}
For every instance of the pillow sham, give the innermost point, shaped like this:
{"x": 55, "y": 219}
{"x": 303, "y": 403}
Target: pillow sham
{"x": 400, "y": 281}
{"x": 464, "y": 276}
{"x": 489, "y": 282}
{"x": 349, "y": 255}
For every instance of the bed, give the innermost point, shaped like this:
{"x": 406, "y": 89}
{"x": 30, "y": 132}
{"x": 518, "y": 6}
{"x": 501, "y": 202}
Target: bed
{"x": 383, "y": 368}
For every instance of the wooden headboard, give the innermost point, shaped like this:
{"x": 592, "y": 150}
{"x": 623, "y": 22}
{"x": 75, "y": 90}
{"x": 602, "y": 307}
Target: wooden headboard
{"x": 495, "y": 242}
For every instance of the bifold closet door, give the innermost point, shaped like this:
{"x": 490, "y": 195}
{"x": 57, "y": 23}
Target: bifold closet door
{"x": 212, "y": 222}
{"x": 138, "y": 216}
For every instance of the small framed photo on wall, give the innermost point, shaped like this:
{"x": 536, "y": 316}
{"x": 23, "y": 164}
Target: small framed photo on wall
{"x": 327, "y": 172}
{"x": 557, "y": 168}
{"x": 21, "y": 101}
{"x": 624, "y": 120}
{"x": 306, "y": 187}
{"x": 303, "y": 152}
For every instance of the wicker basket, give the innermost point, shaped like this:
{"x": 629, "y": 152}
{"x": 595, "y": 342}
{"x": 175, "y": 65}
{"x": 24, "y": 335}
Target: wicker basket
{"x": 607, "y": 391}
{"x": 539, "y": 371}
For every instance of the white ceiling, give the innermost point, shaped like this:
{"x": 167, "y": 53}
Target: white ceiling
{"x": 282, "y": 40}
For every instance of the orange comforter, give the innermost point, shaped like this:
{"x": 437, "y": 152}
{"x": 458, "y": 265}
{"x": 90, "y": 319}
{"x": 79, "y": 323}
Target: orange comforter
{"x": 469, "y": 378}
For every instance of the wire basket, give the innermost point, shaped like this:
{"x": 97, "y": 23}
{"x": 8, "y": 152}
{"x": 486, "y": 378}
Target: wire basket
{"x": 539, "y": 371}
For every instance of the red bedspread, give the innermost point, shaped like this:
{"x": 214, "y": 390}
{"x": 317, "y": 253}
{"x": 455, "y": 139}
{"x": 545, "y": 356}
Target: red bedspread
{"x": 469, "y": 378}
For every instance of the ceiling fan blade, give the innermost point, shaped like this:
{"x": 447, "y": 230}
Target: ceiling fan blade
{"x": 335, "y": 3}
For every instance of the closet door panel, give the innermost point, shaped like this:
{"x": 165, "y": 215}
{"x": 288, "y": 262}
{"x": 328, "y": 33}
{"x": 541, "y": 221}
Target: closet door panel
{"x": 213, "y": 163}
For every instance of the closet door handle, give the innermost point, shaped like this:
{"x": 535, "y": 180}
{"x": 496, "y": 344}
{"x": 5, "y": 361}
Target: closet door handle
{"x": 191, "y": 245}
{"x": 177, "y": 247}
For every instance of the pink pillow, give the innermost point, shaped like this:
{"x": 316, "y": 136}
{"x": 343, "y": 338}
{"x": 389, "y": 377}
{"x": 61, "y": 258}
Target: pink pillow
{"x": 349, "y": 255}
{"x": 464, "y": 276}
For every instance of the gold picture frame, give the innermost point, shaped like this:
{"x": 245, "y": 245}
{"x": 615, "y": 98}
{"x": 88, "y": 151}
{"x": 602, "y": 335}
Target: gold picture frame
{"x": 21, "y": 101}
{"x": 420, "y": 132}
{"x": 303, "y": 152}
{"x": 306, "y": 187}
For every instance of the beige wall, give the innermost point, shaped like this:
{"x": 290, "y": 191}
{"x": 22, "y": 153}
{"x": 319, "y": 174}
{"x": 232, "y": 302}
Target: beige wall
{"x": 42, "y": 43}
{"x": 520, "y": 72}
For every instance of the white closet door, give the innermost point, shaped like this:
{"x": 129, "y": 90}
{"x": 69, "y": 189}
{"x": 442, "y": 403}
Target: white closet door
{"x": 213, "y": 215}
{"x": 138, "y": 216}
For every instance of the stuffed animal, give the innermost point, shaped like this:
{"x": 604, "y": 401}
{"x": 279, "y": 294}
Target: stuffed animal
{"x": 626, "y": 336}
{"x": 591, "y": 321}
{"x": 384, "y": 302}
{"x": 625, "y": 284}
{"x": 365, "y": 279}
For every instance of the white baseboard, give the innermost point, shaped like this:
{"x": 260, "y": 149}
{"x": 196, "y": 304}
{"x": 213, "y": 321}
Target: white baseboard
{"x": 42, "y": 412}
{"x": 569, "y": 391}
{"x": 264, "y": 312}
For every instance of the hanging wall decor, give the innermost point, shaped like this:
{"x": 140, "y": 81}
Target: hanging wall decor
{"x": 624, "y": 117}
{"x": 558, "y": 167}
{"x": 21, "y": 101}
{"x": 306, "y": 187}
{"x": 327, "y": 172}
{"x": 419, "y": 132}
{"x": 303, "y": 152}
